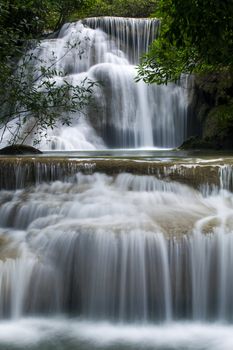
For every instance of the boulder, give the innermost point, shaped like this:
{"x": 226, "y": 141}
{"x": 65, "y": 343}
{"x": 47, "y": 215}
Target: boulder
{"x": 19, "y": 150}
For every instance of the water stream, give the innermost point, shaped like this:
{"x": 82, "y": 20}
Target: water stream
{"x": 115, "y": 251}
{"x": 123, "y": 113}
{"x": 123, "y": 261}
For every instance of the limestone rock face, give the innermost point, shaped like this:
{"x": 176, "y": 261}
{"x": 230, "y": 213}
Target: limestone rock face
{"x": 212, "y": 107}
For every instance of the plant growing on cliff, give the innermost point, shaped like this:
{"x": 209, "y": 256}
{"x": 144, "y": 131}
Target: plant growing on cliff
{"x": 195, "y": 36}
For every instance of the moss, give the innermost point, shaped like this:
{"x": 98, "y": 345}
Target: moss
{"x": 219, "y": 122}
{"x": 213, "y": 108}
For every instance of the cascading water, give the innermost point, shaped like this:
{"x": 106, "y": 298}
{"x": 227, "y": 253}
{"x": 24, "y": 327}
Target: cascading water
{"x": 117, "y": 261}
{"x": 124, "y": 249}
{"x": 123, "y": 113}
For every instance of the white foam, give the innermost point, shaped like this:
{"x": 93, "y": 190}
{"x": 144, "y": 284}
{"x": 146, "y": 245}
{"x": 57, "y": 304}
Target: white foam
{"x": 192, "y": 336}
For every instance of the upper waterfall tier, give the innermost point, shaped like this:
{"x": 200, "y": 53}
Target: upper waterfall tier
{"x": 131, "y": 35}
{"x": 123, "y": 113}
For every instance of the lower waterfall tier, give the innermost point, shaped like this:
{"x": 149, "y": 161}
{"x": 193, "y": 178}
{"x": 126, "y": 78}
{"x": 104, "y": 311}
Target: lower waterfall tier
{"x": 200, "y": 173}
{"x": 123, "y": 248}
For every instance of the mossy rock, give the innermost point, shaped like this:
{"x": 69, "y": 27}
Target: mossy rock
{"x": 196, "y": 142}
{"x": 219, "y": 122}
{"x": 217, "y": 128}
{"x": 19, "y": 150}
{"x": 216, "y": 83}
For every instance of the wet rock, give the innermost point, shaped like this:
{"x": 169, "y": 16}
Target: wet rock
{"x": 214, "y": 142}
{"x": 22, "y": 172}
{"x": 196, "y": 142}
{"x": 212, "y": 105}
{"x": 19, "y": 149}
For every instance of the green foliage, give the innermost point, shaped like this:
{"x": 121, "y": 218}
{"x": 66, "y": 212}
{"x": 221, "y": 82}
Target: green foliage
{"x": 195, "y": 36}
{"x": 32, "y": 17}
{"x": 124, "y": 8}
{"x": 60, "y": 11}
{"x": 37, "y": 99}
{"x": 100, "y": 8}
{"x": 33, "y": 94}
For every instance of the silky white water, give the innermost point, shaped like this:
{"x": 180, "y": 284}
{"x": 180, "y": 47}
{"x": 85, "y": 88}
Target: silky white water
{"x": 58, "y": 333}
{"x": 116, "y": 262}
{"x": 125, "y": 248}
{"x": 122, "y": 113}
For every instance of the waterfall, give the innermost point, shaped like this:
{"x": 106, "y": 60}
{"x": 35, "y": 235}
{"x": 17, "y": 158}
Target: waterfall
{"x": 133, "y": 36}
{"x": 123, "y": 113}
{"x": 115, "y": 252}
{"x": 121, "y": 248}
